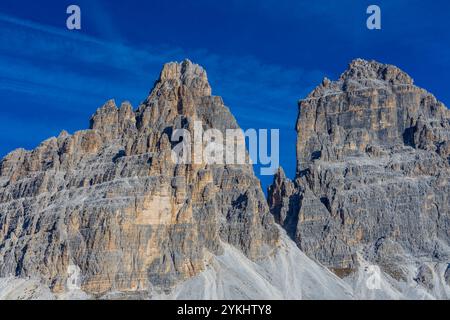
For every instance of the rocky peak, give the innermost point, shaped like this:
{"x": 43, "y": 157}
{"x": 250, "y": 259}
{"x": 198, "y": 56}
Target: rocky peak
{"x": 186, "y": 74}
{"x": 360, "y": 69}
{"x": 112, "y": 122}
{"x": 105, "y": 116}
{"x": 373, "y": 162}
{"x": 111, "y": 203}
{"x": 371, "y": 104}
{"x": 177, "y": 94}
{"x": 363, "y": 75}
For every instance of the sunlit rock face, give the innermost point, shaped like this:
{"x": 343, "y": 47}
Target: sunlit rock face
{"x": 106, "y": 209}
{"x": 373, "y": 170}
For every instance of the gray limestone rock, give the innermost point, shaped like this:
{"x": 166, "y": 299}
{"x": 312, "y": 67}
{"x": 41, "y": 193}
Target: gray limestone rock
{"x": 373, "y": 172}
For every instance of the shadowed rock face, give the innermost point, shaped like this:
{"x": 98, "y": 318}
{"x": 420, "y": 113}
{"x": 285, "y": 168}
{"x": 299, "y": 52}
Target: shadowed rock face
{"x": 110, "y": 203}
{"x": 373, "y": 172}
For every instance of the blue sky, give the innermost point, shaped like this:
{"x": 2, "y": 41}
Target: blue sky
{"x": 261, "y": 56}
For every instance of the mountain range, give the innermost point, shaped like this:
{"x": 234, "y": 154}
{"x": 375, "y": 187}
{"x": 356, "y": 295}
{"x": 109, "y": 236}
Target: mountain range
{"x": 105, "y": 213}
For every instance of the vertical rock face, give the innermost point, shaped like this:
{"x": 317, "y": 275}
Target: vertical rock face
{"x": 110, "y": 203}
{"x": 373, "y": 172}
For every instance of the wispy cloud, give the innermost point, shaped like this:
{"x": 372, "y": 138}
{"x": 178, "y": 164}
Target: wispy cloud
{"x": 42, "y": 60}
{"x": 67, "y": 75}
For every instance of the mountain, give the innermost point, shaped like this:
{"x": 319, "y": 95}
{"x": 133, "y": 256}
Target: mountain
{"x": 107, "y": 213}
{"x": 110, "y": 203}
{"x": 372, "y": 183}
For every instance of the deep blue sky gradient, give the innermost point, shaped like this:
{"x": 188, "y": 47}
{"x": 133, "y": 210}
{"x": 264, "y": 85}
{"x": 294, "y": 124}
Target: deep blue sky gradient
{"x": 261, "y": 56}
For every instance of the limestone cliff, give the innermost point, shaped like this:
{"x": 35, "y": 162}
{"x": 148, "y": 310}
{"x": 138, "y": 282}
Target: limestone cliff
{"x": 109, "y": 205}
{"x": 107, "y": 213}
{"x": 373, "y": 173}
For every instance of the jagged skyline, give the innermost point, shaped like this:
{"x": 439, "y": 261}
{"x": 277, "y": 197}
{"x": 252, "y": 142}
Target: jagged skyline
{"x": 118, "y": 53}
{"x": 105, "y": 213}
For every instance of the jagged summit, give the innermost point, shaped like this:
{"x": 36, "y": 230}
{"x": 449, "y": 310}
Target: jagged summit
{"x": 362, "y": 75}
{"x": 186, "y": 74}
{"x": 372, "y": 105}
{"x": 176, "y": 94}
{"x": 184, "y": 69}
{"x": 360, "y": 69}
{"x": 373, "y": 175}
{"x": 110, "y": 203}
